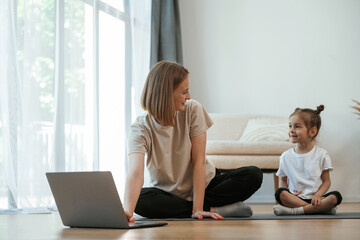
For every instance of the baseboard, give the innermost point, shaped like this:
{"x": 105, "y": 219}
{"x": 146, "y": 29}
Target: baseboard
{"x": 261, "y": 199}
{"x": 351, "y": 198}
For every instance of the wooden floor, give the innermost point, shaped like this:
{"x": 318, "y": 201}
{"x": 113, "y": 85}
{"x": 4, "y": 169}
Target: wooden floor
{"x": 49, "y": 226}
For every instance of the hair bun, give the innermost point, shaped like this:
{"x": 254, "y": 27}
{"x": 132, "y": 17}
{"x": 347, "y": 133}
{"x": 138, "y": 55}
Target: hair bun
{"x": 319, "y": 109}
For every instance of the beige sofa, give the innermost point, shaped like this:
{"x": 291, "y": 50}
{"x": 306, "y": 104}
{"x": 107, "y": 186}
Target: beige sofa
{"x": 237, "y": 140}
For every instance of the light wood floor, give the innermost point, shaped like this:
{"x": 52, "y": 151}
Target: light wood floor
{"x": 49, "y": 226}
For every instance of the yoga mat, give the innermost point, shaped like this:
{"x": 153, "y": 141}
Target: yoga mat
{"x": 264, "y": 216}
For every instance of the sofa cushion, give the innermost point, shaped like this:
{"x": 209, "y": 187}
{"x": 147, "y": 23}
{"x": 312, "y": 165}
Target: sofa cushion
{"x": 227, "y": 126}
{"x": 266, "y": 130}
{"x": 231, "y": 126}
{"x": 232, "y": 162}
{"x": 219, "y": 147}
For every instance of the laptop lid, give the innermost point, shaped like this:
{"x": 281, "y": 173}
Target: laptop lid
{"x": 90, "y": 199}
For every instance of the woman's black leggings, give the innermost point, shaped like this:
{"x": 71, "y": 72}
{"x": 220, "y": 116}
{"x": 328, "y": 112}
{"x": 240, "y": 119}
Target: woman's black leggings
{"x": 226, "y": 188}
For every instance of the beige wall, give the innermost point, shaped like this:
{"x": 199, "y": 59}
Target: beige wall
{"x": 269, "y": 57}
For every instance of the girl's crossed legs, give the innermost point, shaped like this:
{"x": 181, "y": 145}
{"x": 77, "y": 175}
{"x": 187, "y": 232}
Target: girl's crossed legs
{"x": 297, "y": 205}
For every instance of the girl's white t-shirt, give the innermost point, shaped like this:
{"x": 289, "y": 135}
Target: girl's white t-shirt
{"x": 168, "y": 148}
{"x": 303, "y": 171}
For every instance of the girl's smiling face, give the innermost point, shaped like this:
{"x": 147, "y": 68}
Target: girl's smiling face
{"x": 298, "y": 132}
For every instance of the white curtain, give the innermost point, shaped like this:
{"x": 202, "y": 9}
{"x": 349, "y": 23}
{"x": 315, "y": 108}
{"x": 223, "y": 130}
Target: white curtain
{"x": 140, "y": 12}
{"x": 9, "y": 98}
{"x": 55, "y": 91}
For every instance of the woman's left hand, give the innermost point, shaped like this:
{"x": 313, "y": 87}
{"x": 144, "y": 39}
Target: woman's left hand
{"x": 202, "y": 214}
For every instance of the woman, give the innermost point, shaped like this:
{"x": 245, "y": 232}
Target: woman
{"x": 172, "y": 134}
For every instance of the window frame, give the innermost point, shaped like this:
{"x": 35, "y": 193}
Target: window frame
{"x": 59, "y": 78}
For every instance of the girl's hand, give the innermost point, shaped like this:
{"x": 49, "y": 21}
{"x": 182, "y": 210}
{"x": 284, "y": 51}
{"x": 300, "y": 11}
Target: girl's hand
{"x": 129, "y": 217}
{"x": 202, "y": 214}
{"x": 316, "y": 201}
{"x": 296, "y": 192}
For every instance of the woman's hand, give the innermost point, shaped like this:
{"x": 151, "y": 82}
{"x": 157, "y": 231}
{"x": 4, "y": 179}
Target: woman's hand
{"x": 202, "y": 214}
{"x": 129, "y": 217}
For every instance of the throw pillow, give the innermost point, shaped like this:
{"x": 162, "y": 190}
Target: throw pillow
{"x": 266, "y": 130}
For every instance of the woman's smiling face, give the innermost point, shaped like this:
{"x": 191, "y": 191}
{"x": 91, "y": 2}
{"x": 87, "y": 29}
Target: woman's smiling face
{"x": 181, "y": 94}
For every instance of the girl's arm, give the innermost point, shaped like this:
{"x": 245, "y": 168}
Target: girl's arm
{"x": 283, "y": 182}
{"x": 199, "y": 177}
{"x": 134, "y": 183}
{"x": 325, "y": 177}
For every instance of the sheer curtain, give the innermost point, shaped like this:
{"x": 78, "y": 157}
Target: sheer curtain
{"x": 140, "y": 12}
{"x": 70, "y": 76}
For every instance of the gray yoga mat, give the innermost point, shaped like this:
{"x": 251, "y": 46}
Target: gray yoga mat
{"x": 264, "y": 216}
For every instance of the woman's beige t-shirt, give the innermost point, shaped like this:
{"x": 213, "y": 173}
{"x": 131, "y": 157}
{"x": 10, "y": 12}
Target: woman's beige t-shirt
{"x": 168, "y": 148}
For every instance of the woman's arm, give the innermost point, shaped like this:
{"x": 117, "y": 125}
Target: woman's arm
{"x": 199, "y": 177}
{"x": 134, "y": 183}
{"x": 325, "y": 177}
{"x": 199, "y": 171}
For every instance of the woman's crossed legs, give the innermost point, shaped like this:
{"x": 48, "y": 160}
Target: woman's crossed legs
{"x": 223, "y": 195}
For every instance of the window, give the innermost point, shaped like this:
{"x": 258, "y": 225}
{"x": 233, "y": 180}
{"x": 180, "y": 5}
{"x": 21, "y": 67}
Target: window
{"x": 67, "y": 102}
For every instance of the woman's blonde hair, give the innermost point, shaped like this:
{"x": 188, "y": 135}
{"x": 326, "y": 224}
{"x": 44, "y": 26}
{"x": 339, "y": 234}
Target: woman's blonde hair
{"x": 157, "y": 96}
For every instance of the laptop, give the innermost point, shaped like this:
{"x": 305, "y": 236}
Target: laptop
{"x": 91, "y": 200}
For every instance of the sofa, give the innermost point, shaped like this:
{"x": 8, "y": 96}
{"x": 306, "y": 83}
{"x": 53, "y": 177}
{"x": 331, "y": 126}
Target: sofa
{"x": 237, "y": 140}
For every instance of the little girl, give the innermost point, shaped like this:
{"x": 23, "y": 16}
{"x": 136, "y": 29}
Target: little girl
{"x": 304, "y": 170}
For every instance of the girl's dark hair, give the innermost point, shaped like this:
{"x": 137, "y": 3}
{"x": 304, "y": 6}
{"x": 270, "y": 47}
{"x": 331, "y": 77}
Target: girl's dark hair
{"x": 311, "y": 117}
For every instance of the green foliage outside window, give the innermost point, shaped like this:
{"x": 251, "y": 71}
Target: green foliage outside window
{"x": 36, "y": 39}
